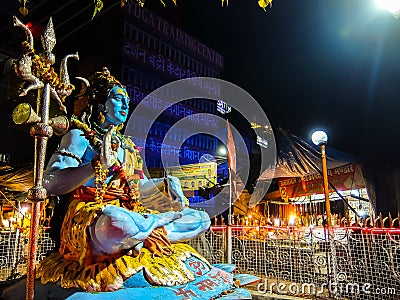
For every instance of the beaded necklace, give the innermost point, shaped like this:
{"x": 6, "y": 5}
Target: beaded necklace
{"x": 95, "y": 135}
{"x": 95, "y": 138}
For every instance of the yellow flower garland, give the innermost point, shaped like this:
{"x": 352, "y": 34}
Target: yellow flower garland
{"x": 100, "y": 177}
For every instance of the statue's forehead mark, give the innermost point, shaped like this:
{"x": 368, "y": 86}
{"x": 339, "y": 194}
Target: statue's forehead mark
{"x": 121, "y": 90}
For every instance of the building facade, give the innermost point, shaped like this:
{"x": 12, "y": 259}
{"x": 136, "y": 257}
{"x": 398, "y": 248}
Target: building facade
{"x": 156, "y": 52}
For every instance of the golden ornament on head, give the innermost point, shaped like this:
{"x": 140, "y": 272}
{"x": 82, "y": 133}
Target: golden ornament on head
{"x": 106, "y": 76}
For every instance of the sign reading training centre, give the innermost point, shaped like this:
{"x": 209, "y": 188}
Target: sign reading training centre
{"x": 195, "y": 176}
{"x": 348, "y": 177}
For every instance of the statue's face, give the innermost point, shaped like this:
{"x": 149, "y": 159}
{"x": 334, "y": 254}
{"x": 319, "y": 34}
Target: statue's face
{"x": 117, "y": 106}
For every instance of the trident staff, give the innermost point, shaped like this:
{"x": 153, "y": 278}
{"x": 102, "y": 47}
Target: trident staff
{"x": 36, "y": 69}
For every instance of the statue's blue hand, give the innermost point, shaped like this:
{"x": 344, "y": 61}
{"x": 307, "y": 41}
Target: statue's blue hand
{"x": 192, "y": 223}
{"x": 135, "y": 225}
{"x": 118, "y": 228}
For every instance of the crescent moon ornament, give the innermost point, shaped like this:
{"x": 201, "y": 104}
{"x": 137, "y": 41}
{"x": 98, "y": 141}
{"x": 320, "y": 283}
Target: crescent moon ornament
{"x": 85, "y": 85}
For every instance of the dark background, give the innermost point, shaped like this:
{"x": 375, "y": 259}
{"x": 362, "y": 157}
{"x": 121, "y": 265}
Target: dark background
{"x": 311, "y": 64}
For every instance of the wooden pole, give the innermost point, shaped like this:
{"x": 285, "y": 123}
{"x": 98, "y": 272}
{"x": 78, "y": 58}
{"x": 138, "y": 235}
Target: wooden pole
{"x": 326, "y": 187}
{"x": 41, "y": 131}
{"x": 229, "y": 226}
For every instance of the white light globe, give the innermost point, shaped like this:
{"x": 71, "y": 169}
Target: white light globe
{"x": 319, "y": 137}
{"x": 222, "y": 151}
{"x": 392, "y": 6}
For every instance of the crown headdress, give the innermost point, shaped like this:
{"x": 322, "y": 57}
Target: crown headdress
{"x": 104, "y": 76}
{"x": 101, "y": 83}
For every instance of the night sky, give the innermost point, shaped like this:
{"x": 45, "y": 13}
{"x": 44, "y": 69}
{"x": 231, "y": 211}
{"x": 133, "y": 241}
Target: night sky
{"x": 331, "y": 64}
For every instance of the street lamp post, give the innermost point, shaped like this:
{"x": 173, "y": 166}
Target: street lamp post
{"x": 320, "y": 138}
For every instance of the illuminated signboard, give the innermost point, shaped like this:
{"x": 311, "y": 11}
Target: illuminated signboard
{"x": 172, "y": 32}
{"x": 223, "y": 108}
{"x": 195, "y": 176}
{"x": 262, "y": 142}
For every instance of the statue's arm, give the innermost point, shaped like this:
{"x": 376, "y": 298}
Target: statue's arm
{"x": 64, "y": 172}
{"x": 149, "y": 187}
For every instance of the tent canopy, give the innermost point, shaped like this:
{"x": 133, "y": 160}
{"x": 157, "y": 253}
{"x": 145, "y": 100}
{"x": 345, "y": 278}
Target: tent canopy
{"x": 19, "y": 180}
{"x": 298, "y": 158}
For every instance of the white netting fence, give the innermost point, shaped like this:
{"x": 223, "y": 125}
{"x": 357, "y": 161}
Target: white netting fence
{"x": 349, "y": 263}
{"x": 14, "y": 252}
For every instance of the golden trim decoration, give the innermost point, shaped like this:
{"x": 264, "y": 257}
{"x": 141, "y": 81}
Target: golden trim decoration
{"x": 109, "y": 277}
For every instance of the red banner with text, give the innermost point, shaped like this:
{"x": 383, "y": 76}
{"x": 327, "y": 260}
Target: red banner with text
{"x": 348, "y": 177}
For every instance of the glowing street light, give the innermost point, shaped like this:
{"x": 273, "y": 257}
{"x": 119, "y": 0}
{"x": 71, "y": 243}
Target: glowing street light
{"x": 222, "y": 151}
{"x": 320, "y": 138}
{"x": 392, "y": 6}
